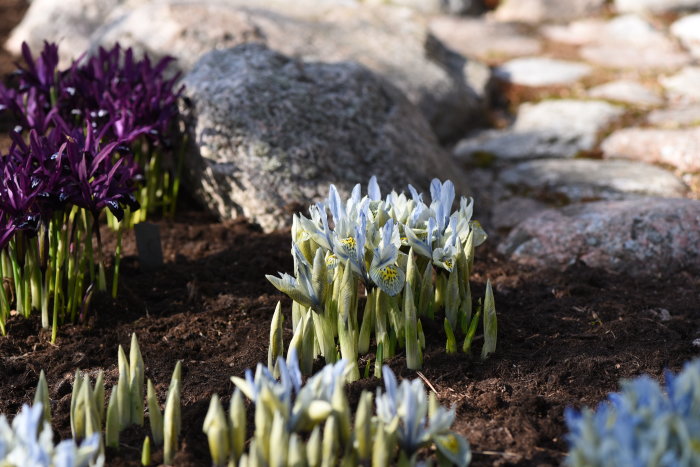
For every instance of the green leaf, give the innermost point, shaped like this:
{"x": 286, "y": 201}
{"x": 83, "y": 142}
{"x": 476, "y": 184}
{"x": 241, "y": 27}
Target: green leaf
{"x": 379, "y": 360}
{"x": 146, "y": 452}
{"x": 466, "y": 346}
{"x": 363, "y": 426}
{"x": 319, "y": 275}
{"x": 77, "y": 381}
{"x": 237, "y": 420}
{"x": 452, "y": 300}
{"x": 380, "y": 448}
{"x": 276, "y": 347}
{"x": 426, "y": 301}
{"x": 367, "y": 324}
{"x": 413, "y": 360}
{"x": 412, "y": 274}
{"x": 490, "y": 322}
{"x": 42, "y": 396}
{"x": 331, "y": 443}
{"x": 124, "y": 394}
{"x": 346, "y": 332}
{"x": 465, "y": 308}
{"x": 136, "y": 385}
{"x": 155, "y": 416}
{"x": 308, "y": 347}
{"x": 113, "y": 423}
{"x": 296, "y": 452}
{"x": 216, "y": 429}
{"x": 280, "y": 437}
{"x": 451, "y": 346}
{"x": 341, "y": 412}
{"x": 314, "y": 448}
{"x": 98, "y": 395}
{"x": 171, "y": 422}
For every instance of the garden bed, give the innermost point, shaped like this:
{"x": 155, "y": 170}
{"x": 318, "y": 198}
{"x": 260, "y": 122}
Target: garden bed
{"x": 564, "y": 339}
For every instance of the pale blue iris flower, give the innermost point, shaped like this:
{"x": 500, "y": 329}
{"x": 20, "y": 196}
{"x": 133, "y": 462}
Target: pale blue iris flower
{"x": 299, "y": 288}
{"x": 405, "y": 407}
{"x": 644, "y": 425}
{"x": 350, "y": 239}
{"x": 24, "y": 445}
{"x": 423, "y": 244}
{"x": 446, "y": 255}
{"x": 293, "y": 400}
{"x": 442, "y": 196}
{"x": 384, "y": 271}
{"x": 317, "y": 227}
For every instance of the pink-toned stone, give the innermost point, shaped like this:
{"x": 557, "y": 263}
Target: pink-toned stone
{"x": 538, "y": 11}
{"x": 634, "y": 237}
{"x": 677, "y": 148}
{"x": 483, "y": 38}
{"x": 628, "y": 41}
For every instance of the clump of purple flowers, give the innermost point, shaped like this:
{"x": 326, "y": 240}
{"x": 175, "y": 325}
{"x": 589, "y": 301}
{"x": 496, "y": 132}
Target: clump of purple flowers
{"x": 95, "y": 138}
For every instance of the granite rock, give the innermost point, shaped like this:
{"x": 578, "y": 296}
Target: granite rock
{"x": 684, "y": 85}
{"x": 627, "y": 92}
{"x": 687, "y": 30}
{"x": 68, "y": 22}
{"x": 271, "y": 133}
{"x": 483, "y": 38}
{"x": 656, "y": 6}
{"x": 553, "y": 128}
{"x": 677, "y": 148}
{"x": 677, "y": 116}
{"x": 541, "y": 71}
{"x": 629, "y": 41}
{"x": 633, "y": 237}
{"x": 393, "y": 42}
{"x": 539, "y": 11}
{"x": 580, "y": 180}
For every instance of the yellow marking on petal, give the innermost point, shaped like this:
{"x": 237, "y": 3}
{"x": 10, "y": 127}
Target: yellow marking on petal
{"x": 449, "y": 263}
{"x": 389, "y": 274}
{"x": 450, "y": 442}
{"x": 349, "y": 243}
{"x": 332, "y": 261}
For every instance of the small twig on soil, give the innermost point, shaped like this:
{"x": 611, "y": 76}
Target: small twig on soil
{"x": 425, "y": 380}
{"x": 496, "y": 453}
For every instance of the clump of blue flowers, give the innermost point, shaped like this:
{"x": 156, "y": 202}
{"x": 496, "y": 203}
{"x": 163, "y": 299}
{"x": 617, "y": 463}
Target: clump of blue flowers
{"x": 29, "y": 441}
{"x": 312, "y": 424}
{"x": 399, "y": 260}
{"x": 643, "y": 425}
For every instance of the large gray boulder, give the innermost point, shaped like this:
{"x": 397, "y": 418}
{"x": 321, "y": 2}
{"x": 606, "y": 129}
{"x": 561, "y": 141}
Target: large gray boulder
{"x": 394, "y": 42}
{"x": 634, "y": 237}
{"x": 272, "y": 132}
{"x": 68, "y": 22}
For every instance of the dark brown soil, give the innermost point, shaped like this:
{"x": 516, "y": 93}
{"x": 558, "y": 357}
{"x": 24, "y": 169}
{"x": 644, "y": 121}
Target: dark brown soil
{"x": 565, "y": 338}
